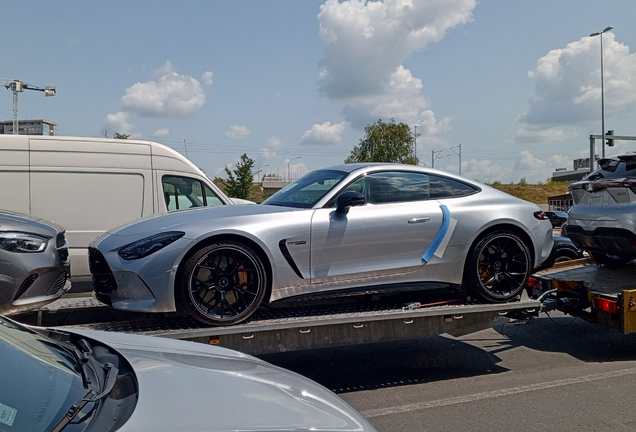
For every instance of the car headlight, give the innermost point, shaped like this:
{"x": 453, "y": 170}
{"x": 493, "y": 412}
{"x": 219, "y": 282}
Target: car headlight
{"x": 149, "y": 245}
{"x": 22, "y": 242}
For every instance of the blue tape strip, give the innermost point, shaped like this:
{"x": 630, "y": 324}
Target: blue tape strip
{"x": 440, "y": 235}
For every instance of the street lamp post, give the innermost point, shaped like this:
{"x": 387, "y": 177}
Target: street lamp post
{"x": 415, "y": 145}
{"x": 288, "y": 168}
{"x": 608, "y": 28}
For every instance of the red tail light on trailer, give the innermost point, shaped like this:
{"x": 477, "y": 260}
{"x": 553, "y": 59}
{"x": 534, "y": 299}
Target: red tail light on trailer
{"x": 606, "y": 305}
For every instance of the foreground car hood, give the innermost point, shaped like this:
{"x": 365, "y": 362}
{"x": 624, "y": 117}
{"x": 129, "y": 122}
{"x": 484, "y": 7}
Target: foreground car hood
{"x": 188, "y": 386}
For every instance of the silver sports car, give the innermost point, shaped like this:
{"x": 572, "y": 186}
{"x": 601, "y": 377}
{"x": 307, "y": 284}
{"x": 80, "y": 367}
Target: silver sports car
{"x": 348, "y": 227}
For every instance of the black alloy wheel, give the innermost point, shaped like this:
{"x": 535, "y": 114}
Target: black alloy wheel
{"x": 223, "y": 283}
{"x": 498, "y": 267}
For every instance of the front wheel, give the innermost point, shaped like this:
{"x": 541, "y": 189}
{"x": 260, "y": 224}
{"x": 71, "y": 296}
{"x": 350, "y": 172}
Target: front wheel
{"x": 223, "y": 283}
{"x": 498, "y": 267}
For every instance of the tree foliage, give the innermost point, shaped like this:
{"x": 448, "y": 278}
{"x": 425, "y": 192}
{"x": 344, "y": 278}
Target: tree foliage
{"x": 385, "y": 142}
{"x": 239, "y": 181}
{"x": 121, "y": 136}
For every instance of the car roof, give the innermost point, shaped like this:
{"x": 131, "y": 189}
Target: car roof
{"x": 380, "y": 166}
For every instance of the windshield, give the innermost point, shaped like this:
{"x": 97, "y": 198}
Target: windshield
{"x": 307, "y": 190}
{"x": 39, "y": 380}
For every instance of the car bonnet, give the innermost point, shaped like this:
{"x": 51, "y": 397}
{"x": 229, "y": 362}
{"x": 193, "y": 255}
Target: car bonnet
{"x": 175, "y": 219}
{"x": 10, "y": 221}
{"x": 188, "y": 386}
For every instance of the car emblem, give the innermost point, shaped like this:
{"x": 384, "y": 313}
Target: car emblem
{"x": 589, "y": 187}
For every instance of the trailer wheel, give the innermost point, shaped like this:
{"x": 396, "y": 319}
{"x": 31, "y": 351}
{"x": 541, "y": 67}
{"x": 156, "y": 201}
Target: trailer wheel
{"x": 498, "y": 267}
{"x": 223, "y": 283}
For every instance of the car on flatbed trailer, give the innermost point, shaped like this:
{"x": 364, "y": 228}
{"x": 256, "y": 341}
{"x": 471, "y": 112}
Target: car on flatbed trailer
{"x": 352, "y": 227}
{"x": 596, "y": 293}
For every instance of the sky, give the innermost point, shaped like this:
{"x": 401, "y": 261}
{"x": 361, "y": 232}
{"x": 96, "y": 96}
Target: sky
{"x": 512, "y": 89}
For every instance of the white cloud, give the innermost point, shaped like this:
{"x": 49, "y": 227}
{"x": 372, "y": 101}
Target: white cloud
{"x": 295, "y": 170}
{"x": 161, "y": 133}
{"x": 119, "y": 122}
{"x": 271, "y": 148}
{"x": 531, "y": 134}
{"x": 238, "y": 132}
{"x": 365, "y": 44}
{"x": 207, "y": 78}
{"x": 568, "y": 88}
{"x": 325, "y": 133}
{"x": 526, "y": 165}
{"x": 168, "y": 95}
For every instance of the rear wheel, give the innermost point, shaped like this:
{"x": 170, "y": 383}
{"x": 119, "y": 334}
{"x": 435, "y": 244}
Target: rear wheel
{"x": 565, "y": 255}
{"x": 223, "y": 283}
{"x": 498, "y": 267}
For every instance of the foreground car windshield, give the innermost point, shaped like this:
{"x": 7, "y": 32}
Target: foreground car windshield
{"x": 39, "y": 380}
{"x": 307, "y": 190}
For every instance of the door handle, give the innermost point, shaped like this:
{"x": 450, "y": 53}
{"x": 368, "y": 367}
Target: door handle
{"x": 419, "y": 220}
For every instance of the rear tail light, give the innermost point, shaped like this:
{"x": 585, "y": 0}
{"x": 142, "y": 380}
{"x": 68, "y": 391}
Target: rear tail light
{"x": 540, "y": 215}
{"x": 534, "y": 283}
{"x": 606, "y": 305}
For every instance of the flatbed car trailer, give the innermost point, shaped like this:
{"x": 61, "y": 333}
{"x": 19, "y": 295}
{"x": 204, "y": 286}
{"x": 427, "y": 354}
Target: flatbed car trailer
{"x": 272, "y": 330}
{"x": 584, "y": 289}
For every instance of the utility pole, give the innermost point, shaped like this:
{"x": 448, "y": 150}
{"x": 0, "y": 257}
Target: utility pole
{"x": 433, "y": 157}
{"x": 458, "y": 153}
{"x": 415, "y": 145}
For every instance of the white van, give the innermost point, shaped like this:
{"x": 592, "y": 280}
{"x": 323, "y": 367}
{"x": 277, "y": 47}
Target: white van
{"x": 89, "y": 185}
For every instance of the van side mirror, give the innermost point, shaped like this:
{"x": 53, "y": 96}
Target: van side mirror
{"x": 349, "y": 199}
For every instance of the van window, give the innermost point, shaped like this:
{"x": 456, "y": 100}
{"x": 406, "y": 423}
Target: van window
{"x": 184, "y": 192}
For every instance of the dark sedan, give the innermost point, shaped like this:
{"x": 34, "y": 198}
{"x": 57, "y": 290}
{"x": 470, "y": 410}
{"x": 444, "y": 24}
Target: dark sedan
{"x": 557, "y": 218}
{"x": 34, "y": 264}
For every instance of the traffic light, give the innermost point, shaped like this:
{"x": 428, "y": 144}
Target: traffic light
{"x": 610, "y": 141}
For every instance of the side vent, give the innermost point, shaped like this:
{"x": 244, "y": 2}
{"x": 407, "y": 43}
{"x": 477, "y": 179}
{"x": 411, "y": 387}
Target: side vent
{"x": 28, "y": 281}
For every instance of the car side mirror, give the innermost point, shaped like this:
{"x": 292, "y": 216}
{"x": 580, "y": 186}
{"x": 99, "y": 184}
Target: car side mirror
{"x": 349, "y": 199}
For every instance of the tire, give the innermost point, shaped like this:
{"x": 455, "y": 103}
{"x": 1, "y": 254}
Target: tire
{"x": 562, "y": 255}
{"x": 611, "y": 261}
{"x": 223, "y": 283}
{"x": 498, "y": 267}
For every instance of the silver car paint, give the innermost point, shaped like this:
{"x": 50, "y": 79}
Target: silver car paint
{"x": 187, "y": 386}
{"x": 323, "y": 264}
{"x": 15, "y": 267}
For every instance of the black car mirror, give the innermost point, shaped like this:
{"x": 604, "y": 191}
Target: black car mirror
{"x": 349, "y": 199}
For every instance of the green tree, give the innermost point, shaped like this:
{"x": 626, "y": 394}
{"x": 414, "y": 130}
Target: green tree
{"x": 239, "y": 182}
{"x": 121, "y": 136}
{"x": 385, "y": 142}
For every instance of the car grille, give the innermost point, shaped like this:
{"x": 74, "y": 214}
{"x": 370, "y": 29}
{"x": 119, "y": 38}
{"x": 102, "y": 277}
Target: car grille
{"x": 62, "y": 246}
{"x": 26, "y": 283}
{"x": 103, "y": 279}
{"x": 58, "y": 284}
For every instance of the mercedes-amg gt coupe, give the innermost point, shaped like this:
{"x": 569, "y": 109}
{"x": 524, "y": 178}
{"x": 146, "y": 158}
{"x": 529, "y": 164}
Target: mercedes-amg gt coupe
{"x": 346, "y": 228}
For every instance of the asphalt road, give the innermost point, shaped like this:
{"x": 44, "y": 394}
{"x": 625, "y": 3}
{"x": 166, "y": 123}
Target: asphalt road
{"x": 556, "y": 374}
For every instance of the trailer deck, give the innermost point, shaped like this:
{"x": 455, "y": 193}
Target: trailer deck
{"x": 299, "y": 326}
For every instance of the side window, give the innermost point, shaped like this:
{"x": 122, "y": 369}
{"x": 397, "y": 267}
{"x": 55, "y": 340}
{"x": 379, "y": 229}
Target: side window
{"x": 393, "y": 187}
{"x": 212, "y": 200}
{"x": 390, "y": 187}
{"x": 442, "y": 187}
{"x": 184, "y": 192}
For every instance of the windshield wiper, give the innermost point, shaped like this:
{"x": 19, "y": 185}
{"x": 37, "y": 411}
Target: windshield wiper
{"x": 110, "y": 379}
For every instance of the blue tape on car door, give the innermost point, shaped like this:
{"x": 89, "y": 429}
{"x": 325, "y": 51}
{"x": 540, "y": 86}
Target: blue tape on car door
{"x": 446, "y": 220}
